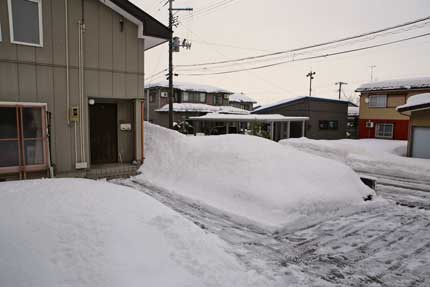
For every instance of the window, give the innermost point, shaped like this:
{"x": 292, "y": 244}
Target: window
{"x": 202, "y": 98}
{"x": 328, "y": 125}
{"x": 152, "y": 96}
{"x": 218, "y": 100}
{"x": 25, "y": 20}
{"x": 185, "y": 97}
{"x": 194, "y": 97}
{"x": 379, "y": 101}
{"x": 384, "y": 131}
{"x": 23, "y": 139}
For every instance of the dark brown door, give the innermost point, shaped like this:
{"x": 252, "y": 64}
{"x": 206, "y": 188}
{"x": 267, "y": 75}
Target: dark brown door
{"x": 103, "y": 133}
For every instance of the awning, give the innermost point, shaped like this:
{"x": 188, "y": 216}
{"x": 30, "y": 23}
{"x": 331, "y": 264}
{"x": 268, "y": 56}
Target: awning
{"x": 267, "y": 118}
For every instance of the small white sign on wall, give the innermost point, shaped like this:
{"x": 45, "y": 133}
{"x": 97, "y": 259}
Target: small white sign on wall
{"x": 125, "y": 127}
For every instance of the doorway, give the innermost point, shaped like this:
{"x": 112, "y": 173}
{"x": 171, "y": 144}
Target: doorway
{"x": 103, "y": 133}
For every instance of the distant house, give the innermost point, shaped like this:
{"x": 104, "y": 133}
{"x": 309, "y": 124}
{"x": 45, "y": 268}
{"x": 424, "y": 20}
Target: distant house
{"x": 241, "y": 101}
{"x": 378, "y": 102}
{"x": 72, "y": 86}
{"x": 417, "y": 109}
{"x": 353, "y": 121}
{"x": 189, "y": 100}
{"x": 327, "y": 117}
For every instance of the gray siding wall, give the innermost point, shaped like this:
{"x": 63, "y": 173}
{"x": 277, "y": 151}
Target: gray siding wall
{"x": 317, "y": 111}
{"x": 113, "y": 60}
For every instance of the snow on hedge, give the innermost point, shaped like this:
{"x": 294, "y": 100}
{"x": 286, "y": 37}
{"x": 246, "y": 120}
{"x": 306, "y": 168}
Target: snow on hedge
{"x": 417, "y": 100}
{"x": 203, "y": 108}
{"x": 376, "y": 156}
{"x": 190, "y": 87}
{"x": 410, "y": 83}
{"x": 248, "y": 177}
{"x": 70, "y": 232}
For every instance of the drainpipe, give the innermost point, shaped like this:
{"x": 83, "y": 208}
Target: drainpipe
{"x": 81, "y": 27}
{"x": 66, "y": 10}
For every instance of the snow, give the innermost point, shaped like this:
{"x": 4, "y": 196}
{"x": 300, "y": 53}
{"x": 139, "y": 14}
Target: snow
{"x": 202, "y": 108}
{"x": 240, "y": 98}
{"x": 250, "y": 178}
{"x": 75, "y": 232}
{"x": 410, "y": 83}
{"x": 374, "y": 156}
{"x": 353, "y": 111}
{"x": 290, "y": 100}
{"x": 191, "y": 87}
{"x": 420, "y": 99}
{"x": 261, "y": 118}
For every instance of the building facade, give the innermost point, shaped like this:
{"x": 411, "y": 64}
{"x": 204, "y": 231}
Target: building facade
{"x": 327, "y": 118}
{"x": 241, "y": 101}
{"x": 417, "y": 109}
{"x": 189, "y": 100}
{"x": 72, "y": 84}
{"x": 378, "y": 101}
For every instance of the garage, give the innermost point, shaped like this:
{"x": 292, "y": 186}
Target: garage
{"x": 421, "y": 142}
{"x": 417, "y": 109}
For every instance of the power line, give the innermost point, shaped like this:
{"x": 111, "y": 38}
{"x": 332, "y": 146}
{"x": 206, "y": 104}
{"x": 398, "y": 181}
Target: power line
{"x": 280, "y": 57}
{"x": 310, "y": 58}
{"x": 311, "y": 46}
{"x": 208, "y": 9}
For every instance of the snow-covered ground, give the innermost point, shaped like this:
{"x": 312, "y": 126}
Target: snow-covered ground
{"x": 372, "y": 156}
{"x": 251, "y": 178}
{"x": 377, "y": 244}
{"x": 70, "y": 232}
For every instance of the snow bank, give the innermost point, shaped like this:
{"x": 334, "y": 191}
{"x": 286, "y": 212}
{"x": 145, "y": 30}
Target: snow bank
{"x": 381, "y": 157}
{"x": 248, "y": 177}
{"x": 410, "y": 83}
{"x": 191, "y": 87}
{"x": 203, "y": 108}
{"x": 70, "y": 232}
{"x": 417, "y": 100}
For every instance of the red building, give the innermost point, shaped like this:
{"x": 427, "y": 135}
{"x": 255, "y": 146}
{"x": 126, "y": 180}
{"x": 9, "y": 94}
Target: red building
{"x": 378, "y": 102}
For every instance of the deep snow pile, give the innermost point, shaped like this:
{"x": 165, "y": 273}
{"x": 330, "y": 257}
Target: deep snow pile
{"x": 249, "y": 177}
{"x": 70, "y": 232}
{"x": 380, "y": 157}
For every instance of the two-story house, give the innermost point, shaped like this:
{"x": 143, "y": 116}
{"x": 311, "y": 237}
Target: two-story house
{"x": 190, "y": 100}
{"x": 378, "y": 101}
{"x": 241, "y": 101}
{"x": 72, "y": 85}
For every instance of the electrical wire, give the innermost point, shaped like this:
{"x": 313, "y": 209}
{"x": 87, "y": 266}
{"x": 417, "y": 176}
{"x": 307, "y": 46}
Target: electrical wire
{"x": 309, "y": 58}
{"x": 311, "y": 46}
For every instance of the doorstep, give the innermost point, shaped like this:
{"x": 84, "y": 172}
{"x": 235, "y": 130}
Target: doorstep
{"x": 108, "y": 171}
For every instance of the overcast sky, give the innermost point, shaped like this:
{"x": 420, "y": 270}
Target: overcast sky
{"x": 272, "y": 25}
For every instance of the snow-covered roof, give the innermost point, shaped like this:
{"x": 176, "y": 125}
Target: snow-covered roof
{"x": 203, "y": 108}
{"x": 240, "y": 98}
{"x": 419, "y": 101}
{"x": 403, "y": 84}
{"x": 291, "y": 100}
{"x": 191, "y": 87}
{"x": 239, "y": 118}
{"x": 353, "y": 111}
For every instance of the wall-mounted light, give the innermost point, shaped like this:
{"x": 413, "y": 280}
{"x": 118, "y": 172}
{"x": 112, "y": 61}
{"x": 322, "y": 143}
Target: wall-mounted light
{"x": 91, "y": 102}
{"x": 121, "y": 24}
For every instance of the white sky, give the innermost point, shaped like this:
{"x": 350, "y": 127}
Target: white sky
{"x": 274, "y": 25}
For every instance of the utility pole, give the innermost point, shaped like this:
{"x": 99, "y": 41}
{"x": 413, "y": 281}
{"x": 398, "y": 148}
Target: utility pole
{"x": 371, "y": 72}
{"x": 311, "y": 77}
{"x": 340, "y": 87}
{"x": 172, "y": 48}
